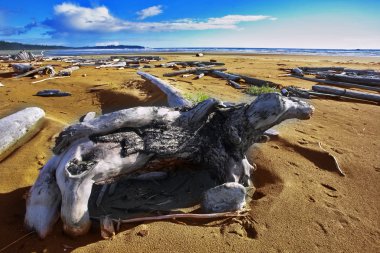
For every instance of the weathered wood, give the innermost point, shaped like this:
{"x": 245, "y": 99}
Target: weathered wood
{"x": 347, "y": 93}
{"x": 193, "y": 71}
{"x": 21, "y": 67}
{"x": 175, "y": 99}
{"x": 67, "y": 71}
{"x": 234, "y": 84}
{"x": 256, "y": 81}
{"x": 138, "y": 140}
{"x": 50, "y": 78}
{"x": 340, "y": 84}
{"x": 319, "y": 69}
{"x": 354, "y": 79}
{"x": 225, "y": 75}
{"x": 48, "y": 69}
{"x": 16, "y": 129}
{"x": 113, "y": 65}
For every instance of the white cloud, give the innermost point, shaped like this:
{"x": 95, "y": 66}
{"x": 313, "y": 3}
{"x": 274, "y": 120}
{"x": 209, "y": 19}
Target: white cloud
{"x": 149, "y": 12}
{"x": 70, "y": 18}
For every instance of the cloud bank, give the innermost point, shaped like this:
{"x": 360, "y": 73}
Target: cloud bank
{"x": 149, "y": 12}
{"x": 69, "y": 17}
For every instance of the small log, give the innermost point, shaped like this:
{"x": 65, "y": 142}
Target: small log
{"x": 297, "y": 72}
{"x": 67, "y": 71}
{"x": 200, "y": 75}
{"x": 175, "y": 99}
{"x": 362, "y": 71}
{"x": 320, "y": 69}
{"x": 225, "y": 75}
{"x": 347, "y": 93}
{"x": 21, "y": 67}
{"x": 50, "y": 78}
{"x": 234, "y": 84}
{"x": 113, "y": 65}
{"x": 340, "y": 84}
{"x": 354, "y": 79}
{"x": 16, "y": 129}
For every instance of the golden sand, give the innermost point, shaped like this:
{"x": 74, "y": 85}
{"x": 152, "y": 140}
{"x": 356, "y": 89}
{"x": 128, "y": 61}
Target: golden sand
{"x": 301, "y": 203}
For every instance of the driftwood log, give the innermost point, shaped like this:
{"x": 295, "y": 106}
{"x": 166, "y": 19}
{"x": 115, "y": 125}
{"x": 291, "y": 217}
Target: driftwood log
{"x": 347, "y": 93}
{"x": 18, "y": 128}
{"x": 144, "y": 139}
{"x": 369, "y": 81}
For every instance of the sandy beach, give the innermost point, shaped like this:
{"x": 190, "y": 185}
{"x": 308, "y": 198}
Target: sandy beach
{"x": 301, "y": 203}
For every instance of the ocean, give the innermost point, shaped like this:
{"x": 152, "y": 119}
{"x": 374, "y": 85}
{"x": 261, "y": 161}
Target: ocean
{"x": 287, "y": 51}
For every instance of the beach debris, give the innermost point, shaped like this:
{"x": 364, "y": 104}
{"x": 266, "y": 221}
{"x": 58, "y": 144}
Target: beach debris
{"x": 297, "y": 72}
{"x": 187, "y": 75}
{"x": 49, "y": 78}
{"x": 67, "y": 71}
{"x": 45, "y": 70}
{"x": 142, "y": 230}
{"x": 52, "y": 93}
{"x": 36, "y": 76}
{"x": 23, "y": 56}
{"x": 225, "y": 75}
{"x": 227, "y": 197}
{"x": 334, "y": 158}
{"x": 175, "y": 99}
{"x": 204, "y": 70}
{"x": 255, "y": 81}
{"x": 194, "y": 63}
{"x": 84, "y": 75}
{"x": 181, "y": 216}
{"x": 112, "y": 65}
{"x": 21, "y": 67}
{"x": 364, "y": 80}
{"x": 234, "y": 84}
{"x": 16, "y": 129}
{"x": 145, "y": 139}
{"x": 213, "y": 60}
{"x": 346, "y": 93}
{"x": 200, "y": 75}
{"x": 199, "y": 55}
{"x": 2, "y": 85}
{"x": 107, "y": 229}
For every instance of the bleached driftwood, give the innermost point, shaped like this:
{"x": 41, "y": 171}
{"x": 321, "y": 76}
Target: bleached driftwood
{"x": 18, "y": 128}
{"x": 355, "y": 79}
{"x": 21, "y": 67}
{"x": 175, "y": 99}
{"x": 339, "y": 84}
{"x": 225, "y": 75}
{"x": 24, "y": 56}
{"x": 234, "y": 84}
{"x": 347, "y": 93}
{"x": 67, "y": 71}
{"x": 49, "y": 78}
{"x": 113, "y": 65}
{"x": 48, "y": 69}
{"x": 193, "y": 71}
{"x": 144, "y": 139}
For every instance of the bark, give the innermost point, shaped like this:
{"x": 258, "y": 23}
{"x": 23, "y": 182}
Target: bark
{"x": 18, "y": 128}
{"x": 347, "y": 93}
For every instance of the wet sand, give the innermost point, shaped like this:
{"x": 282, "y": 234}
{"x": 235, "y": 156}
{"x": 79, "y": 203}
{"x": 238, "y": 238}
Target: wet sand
{"x": 301, "y": 203}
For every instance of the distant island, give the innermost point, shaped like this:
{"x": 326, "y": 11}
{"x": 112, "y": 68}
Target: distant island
{"x": 4, "y": 45}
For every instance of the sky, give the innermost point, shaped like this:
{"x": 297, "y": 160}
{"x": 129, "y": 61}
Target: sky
{"x": 336, "y": 24}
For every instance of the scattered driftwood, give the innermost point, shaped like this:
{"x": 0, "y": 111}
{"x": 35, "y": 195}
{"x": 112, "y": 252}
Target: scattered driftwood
{"x": 49, "y": 78}
{"x": 199, "y": 55}
{"x": 23, "y": 56}
{"x": 46, "y": 69}
{"x": 18, "y": 128}
{"x": 225, "y": 75}
{"x": 313, "y": 70}
{"x": 175, "y": 99}
{"x": 21, "y": 67}
{"x": 204, "y": 70}
{"x": 255, "y": 81}
{"x": 354, "y": 79}
{"x": 334, "y": 158}
{"x": 347, "y": 93}
{"x": 143, "y": 139}
{"x": 196, "y": 63}
{"x": 340, "y": 84}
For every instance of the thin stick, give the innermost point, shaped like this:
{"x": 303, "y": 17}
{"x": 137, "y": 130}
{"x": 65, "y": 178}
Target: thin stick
{"x": 19, "y": 239}
{"x": 179, "y": 216}
{"x": 335, "y": 160}
{"x": 49, "y": 78}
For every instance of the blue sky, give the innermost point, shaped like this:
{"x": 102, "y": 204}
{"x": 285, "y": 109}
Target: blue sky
{"x": 195, "y": 23}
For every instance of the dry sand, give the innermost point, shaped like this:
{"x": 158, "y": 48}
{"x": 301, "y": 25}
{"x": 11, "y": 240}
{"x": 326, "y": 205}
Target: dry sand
{"x": 301, "y": 203}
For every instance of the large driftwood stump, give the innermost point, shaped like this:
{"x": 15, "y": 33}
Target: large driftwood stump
{"x": 142, "y": 139}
